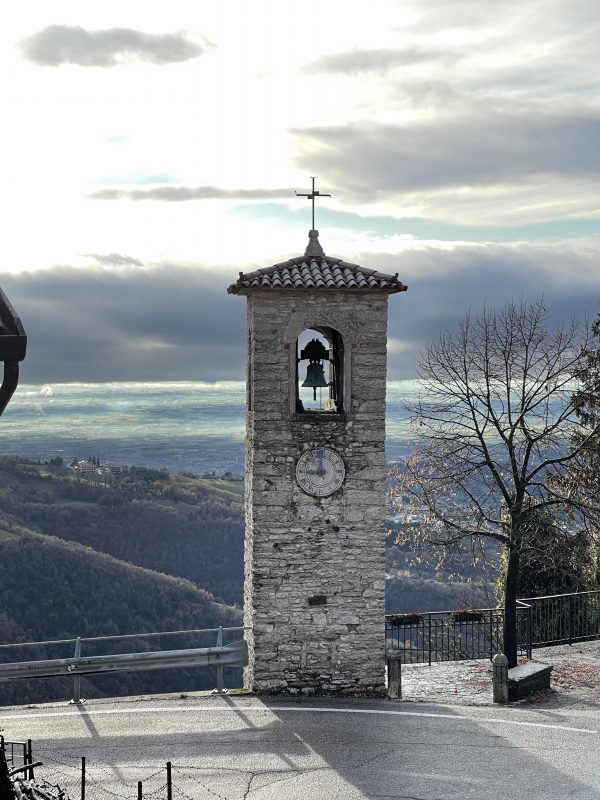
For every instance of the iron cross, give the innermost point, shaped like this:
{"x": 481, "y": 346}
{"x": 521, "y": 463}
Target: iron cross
{"x": 311, "y": 195}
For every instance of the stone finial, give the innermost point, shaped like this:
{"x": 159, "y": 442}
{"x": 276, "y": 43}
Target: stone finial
{"x": 313, "y": 248}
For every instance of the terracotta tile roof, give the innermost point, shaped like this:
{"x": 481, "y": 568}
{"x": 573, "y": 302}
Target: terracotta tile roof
{"x": 317, "y": 272}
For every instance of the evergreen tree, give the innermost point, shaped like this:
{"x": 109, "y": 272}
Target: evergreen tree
{"x": 585, "y": 480}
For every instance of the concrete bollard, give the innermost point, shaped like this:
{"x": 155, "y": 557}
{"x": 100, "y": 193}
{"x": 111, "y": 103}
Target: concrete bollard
{"x": 500, "y": 678}
{"x": 394, "y": 674}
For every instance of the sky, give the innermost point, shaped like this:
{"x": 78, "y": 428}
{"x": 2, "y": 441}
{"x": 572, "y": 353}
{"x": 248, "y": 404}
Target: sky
{"x": 151, "y": 151}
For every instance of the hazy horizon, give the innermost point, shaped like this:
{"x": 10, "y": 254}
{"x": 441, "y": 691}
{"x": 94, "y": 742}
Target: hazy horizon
{"x": 182, "y": 425}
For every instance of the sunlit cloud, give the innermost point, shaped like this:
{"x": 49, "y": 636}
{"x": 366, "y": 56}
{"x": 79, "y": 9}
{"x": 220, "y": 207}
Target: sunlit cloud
{"x": 178, "y": 194}
{"x": 65, "y": 44}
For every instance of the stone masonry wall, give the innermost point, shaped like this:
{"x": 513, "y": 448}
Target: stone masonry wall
{"x": 315, "y": 568}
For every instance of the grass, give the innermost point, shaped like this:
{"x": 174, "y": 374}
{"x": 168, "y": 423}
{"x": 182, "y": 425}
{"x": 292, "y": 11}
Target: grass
{"x": 232, "y": 487}
{"x": 6, "y": 535}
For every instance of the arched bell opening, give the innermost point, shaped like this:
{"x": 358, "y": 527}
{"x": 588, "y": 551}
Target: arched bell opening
{"x": 319, "y": 371}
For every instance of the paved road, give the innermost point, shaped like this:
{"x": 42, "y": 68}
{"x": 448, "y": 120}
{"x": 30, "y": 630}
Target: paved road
{"x": 244, "y": 747}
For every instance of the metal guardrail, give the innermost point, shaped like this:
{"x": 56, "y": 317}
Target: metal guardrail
{"x": 221, "y": 655}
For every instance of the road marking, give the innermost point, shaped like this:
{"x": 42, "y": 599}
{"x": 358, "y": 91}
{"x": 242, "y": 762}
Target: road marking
{"x": 293, "y": 709}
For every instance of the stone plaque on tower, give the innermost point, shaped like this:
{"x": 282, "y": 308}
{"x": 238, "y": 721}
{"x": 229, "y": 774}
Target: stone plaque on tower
{"x": 315, "y": 474}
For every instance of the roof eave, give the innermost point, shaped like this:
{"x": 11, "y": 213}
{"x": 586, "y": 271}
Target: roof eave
{"x": 245, "y": 290}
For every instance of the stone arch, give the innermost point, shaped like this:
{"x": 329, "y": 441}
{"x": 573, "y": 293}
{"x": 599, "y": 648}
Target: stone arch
{"x": 326, "y": 344}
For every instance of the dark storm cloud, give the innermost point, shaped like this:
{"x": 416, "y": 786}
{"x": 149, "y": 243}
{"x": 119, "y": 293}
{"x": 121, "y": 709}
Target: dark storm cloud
{"x": 178, "y": 194}
{"x": 175, "y": 323}
{"x": 65, "y": 44}
{"x": 444, "y": 284}
{"x": 482, "y": 147}
{"x": 163, "y": 323}
{"x": 356, "y": 62}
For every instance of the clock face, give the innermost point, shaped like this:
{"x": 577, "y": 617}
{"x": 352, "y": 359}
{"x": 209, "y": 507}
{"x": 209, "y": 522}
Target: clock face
{"x": 320, "y": 472}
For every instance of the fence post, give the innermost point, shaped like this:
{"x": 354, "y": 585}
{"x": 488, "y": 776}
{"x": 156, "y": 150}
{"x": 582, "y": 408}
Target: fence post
{"x": 429, "y": 637}
{"x": 169, "y": 782}
{"x": 82, "y": 777}
{"x": 570, "y": 619}
{"x": 29, "y": 760}
{"x": 77, "y": 678}
{"x": 394, "y": 674}
{"x": 529, "y": 631}
{"x": 500, "y": 678}
{"x": 139, "y": 790}
{"x": 5, "y": 782}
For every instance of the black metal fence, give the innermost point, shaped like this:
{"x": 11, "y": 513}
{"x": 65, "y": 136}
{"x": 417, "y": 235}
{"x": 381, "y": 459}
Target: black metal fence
{"x": 430, "y": 636}
{"x": 564, "y": 618}
{"x": 427, "y": 637}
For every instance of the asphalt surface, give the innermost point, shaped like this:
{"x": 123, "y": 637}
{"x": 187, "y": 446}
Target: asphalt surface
{"x": 264, "y": 748}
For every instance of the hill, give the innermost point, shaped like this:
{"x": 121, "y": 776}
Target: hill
{"x": 174, "y": 523}
{"x": 50, "y": 588}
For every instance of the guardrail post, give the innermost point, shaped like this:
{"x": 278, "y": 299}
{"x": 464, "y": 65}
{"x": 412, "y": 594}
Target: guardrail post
{"x": 500, "y": 678}
{"x": 394, "y": 674}
{"x": 77, "y": 679}
{"x": 139, "y": 790}
{"x": 169, "y": 782}
{"x": 220, "y": 685}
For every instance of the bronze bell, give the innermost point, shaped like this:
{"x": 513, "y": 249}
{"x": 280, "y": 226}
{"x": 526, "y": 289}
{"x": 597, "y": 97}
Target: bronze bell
{"x": 315, "y": 376}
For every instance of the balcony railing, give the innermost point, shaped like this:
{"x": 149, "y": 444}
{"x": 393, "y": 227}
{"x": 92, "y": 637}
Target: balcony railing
{"x": 431, "y": 636}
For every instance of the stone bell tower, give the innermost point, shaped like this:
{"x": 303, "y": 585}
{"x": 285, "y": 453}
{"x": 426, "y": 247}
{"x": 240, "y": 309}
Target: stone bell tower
{"x": 315, "y": 474}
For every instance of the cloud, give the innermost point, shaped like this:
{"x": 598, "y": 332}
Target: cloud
{"x": 169, "y": 322}
{"x": 356, "y": 62}
{"x": 445, "y": 281}
{"x": 114, "y": 260}
{"x": 125, "y": 323}
{"x": 478, "y": 147}
{"x": 178, "y": 194}
{"x": 65, "y": 44}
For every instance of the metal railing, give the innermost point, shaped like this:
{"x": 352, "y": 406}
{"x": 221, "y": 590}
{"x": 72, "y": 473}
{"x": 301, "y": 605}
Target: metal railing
{"x": 564, "y": 618}
{"x": 16, "y": 754}
{"x": 220, "y": 655}
{"x": 424, "y": 638}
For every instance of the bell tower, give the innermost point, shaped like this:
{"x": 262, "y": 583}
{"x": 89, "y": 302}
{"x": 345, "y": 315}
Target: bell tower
{"x": 315, "y": 474}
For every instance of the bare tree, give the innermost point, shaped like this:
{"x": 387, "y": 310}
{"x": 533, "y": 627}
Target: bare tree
{"x": 495, "y": 428}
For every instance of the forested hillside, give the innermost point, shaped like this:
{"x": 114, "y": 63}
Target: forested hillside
{"x": 177, "y": 524}
{"x": 150, "y": 551}
{"x": 53, "y": 589}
